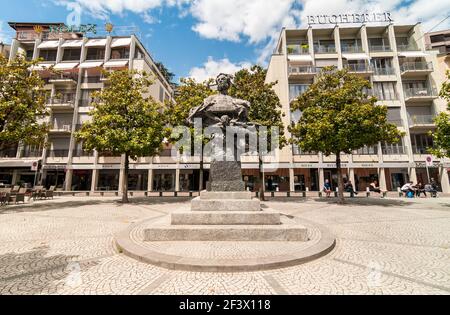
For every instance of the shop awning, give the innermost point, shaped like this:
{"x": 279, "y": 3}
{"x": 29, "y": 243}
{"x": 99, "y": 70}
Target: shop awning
{"x": 356, "y": 56}
{"x": 49, "y": 44}
{"x": 92, "y": 64}
{"x": 413, "y": 54}
{"x": 301, "y": 58}
{"x": 121, "y": 42}
{"x": 96, "y": 42}
{"x": 116, "y": 64}
{"x": 72, "y": 43}
{"x": 66, "y": 66}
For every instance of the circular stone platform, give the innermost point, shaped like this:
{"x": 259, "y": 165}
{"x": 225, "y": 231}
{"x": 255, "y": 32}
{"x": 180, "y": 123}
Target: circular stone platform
{"x": 224, "y": 256}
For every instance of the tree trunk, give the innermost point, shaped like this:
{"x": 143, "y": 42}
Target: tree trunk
{"x": 125, "y": 179}
{"x": 262, "y": 187}
{"x": 341, "y": 199}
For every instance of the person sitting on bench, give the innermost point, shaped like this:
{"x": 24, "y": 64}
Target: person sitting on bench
{"x": 349, "y": 188}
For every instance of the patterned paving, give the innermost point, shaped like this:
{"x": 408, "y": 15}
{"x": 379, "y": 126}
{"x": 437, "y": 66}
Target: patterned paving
{"x": 383, "y": 247}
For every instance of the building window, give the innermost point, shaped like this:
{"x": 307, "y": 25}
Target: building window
{"x": 385, "y": 91}
{"x": 120, "y": 53}
{"x": 393, "y": 148}
{"x": 351, "y": 45}
{"x": 421, "y": 143}
{"x": 325, "y": 47}
{"x": 379, "y": 44}
{"x": 394, "y": 116}
{"x": 48, "y": 55}
{"x": 29, "y": 54}
{"x": 95, "y": 54}
{"x": 72, "y": 54}
{"x": 437, "y": 38}
{"x": 382, "y": 66}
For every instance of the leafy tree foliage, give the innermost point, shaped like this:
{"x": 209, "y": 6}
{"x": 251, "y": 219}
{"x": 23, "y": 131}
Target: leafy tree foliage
{"x": 22, "y": 104}
{"x": 124, "y": 121}
{"x": 165, "y": 72}
{"x": 339, "y": 117}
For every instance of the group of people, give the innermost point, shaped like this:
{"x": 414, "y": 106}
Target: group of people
{"x": 410, "y": 190}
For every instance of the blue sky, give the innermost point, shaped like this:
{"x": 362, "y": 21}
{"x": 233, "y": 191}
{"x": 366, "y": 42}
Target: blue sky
{"x": 201, "y": 37}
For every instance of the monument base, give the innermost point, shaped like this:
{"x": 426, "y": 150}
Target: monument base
{"x": 227, "y": 216}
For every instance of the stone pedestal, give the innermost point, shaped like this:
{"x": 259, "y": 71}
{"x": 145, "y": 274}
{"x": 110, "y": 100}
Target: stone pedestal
{"x": 227, "y": 216}
{"x": 226, "y": 176}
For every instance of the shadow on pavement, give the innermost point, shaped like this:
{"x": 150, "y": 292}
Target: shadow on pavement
{"x": 349, "y": 201}
{"x": 35, "y": 272}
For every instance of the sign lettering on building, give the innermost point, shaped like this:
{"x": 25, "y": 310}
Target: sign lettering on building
{"x": 82, "y": 28}
{"x": 350, "y": 18}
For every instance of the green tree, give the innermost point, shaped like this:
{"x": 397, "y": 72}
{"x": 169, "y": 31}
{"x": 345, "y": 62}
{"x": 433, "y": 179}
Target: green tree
{"x": 165, "y": 72}
{"x": 441, "y": 135}
{"x": 22, "y": 104}
{"x": 124, "y": 121}
{"x": 339, "y": 117}
{"x": 189, "y": 95}
{"x": 266, "y": 109}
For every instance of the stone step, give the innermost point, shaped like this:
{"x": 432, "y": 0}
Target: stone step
{"x": 199, "y": 204}
{"x": 236, "y": 195}
{"x": 260, "y": 233}
{"x": 265, "y": 217}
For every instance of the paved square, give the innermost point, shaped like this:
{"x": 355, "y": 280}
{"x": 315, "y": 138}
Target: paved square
{"x": 66, "y": 246}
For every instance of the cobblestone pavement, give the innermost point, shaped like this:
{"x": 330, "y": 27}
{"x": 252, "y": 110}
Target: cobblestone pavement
{"x": 66, "y": 246}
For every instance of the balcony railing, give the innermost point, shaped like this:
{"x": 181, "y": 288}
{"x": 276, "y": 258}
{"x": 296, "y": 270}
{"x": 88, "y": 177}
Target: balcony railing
{"x": 298, "y": 151}
{"x": 32, "y": 153}
{"x": 64, "y": 77}
{"x": 303, "y": 70}
{"x": 367, "y": 151}
{"x": 352, "y": 49}
{"x": 420, "y": 120}
{"x": 416, "y": 66}
{"x": 96, "y": 79}
{"x": 9, "y": 153}
{"x": 358, "y": 68}
{"x": 380, "y": 48}
{"x": 297, "y": 50}
{"x": 62, "y": 127}
{"x": 325, "y": 49}
{"x": 393, "y": 150}
{"x": 384, "y": 71}
{"x": 83, "y": 153}
{"x": 420, "y": 150}
{"x": 405, "y": 47}
{"x": 420, "y": 92}
{"x": 397, "y": 122}
{"x": 62, "y": 99}
{"x": 58, "y": 153}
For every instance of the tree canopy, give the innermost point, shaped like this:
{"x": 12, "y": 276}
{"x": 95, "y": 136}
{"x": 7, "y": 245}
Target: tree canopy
{"x": 124, "y": 121}
{"x": 22, "y": 103}
{"x": 165, "y": 72}
{"x": 338, "y": 116}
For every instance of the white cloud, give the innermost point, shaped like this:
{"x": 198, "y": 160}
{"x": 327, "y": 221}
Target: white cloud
{"x": 212, "y": 68}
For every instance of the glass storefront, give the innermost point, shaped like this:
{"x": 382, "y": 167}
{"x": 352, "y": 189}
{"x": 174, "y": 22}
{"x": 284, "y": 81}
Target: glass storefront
{"x": 81, "y": 180}
{"x": 108, "y": 180}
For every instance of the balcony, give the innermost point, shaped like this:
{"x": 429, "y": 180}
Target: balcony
{"x": 396, "y": 122}
{"x": 421, "y": 121}
{"x": 303, "y": 71}
{"x": 359, "y": 68}
{"x": 8, "y": 153}
{"x": 367, "y": 151}
{"x": 352, "y": 49}
{"x": 407, "y": 47}
{"x": 62, "y": 102}
{"x": 298, "y": 151}
{"x": 57, "y": 154}
{"x": 64, "y": 78}
{"x": 419, "y": 95}
{"x": 420, "y": 150}
{"x": 325, "y": 49}
{"x": 380, "y": 48}
{"x": 83, "y": 153}
{"x": 393, "y": 150}
{"x": 32, "y": 154}
{"x": 384, "y": 71}
{"x": 414, "y": 68}
{"x": 61, "y": 128}
{"x": 298, "y": 50}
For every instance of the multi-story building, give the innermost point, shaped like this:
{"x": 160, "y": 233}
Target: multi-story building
{"x": 79, "y": 60}
{"x": 404, "y": 78}
{"x": 440, "y": 41}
